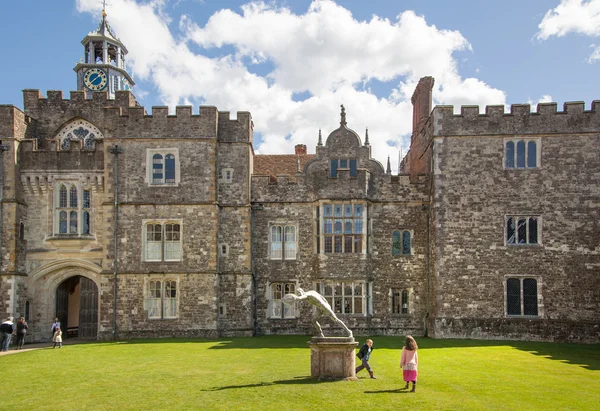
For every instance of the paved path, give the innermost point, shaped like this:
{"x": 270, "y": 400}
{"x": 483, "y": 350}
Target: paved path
{"x": 37, "y": 346}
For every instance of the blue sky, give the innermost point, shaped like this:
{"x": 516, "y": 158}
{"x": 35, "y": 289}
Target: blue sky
{"x": 292, "y": 63}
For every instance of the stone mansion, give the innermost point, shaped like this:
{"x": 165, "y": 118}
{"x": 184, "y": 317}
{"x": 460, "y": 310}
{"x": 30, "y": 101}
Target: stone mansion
{"x": 128, "y": 224}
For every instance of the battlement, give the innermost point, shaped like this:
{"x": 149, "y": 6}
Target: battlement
{"x": 519, "y": 120}
{"x": 123, "y": 117}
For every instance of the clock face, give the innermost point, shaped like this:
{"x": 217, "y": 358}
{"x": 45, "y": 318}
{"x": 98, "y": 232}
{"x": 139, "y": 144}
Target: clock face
{"x": 95, "y": 79}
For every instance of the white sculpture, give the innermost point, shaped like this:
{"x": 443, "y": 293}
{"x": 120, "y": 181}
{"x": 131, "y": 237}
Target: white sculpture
{"x": 323, "y": 308}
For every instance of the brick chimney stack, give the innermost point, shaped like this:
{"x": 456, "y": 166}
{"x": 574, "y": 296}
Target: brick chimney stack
{"x": 422, "y": 102}
{"x": 300, "y": 149}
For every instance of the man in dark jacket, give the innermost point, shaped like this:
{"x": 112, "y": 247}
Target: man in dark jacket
{"x": 364, "y": 354}
{"x": 7, "y": 328}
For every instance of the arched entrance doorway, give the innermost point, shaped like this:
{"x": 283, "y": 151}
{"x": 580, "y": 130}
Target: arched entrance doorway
{"x": 77, "y": 307}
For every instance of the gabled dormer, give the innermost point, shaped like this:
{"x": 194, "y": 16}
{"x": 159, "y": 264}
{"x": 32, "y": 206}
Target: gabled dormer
{"x": 103, "y": 66}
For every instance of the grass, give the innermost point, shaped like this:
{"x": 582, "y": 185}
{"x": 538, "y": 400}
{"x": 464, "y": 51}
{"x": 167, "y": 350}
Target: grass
{"x": 273, "y": 373}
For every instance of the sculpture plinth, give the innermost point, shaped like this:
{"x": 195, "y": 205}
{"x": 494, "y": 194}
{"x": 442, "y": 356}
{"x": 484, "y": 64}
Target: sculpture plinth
{"x": 333, "y": 358}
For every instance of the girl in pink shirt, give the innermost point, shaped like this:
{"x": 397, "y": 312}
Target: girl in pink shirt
{"x": 409, "y": 362}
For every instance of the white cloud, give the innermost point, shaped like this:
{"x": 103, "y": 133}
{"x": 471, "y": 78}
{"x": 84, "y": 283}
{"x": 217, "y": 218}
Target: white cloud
{"x": 546, "y": 98}
{"x": 573, "y": 16}
{"x": 595, "y": 56}
{"x": 324, "y": 51}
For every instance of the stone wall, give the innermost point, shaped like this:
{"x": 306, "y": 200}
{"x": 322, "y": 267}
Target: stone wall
{"x": 474, "y": 193}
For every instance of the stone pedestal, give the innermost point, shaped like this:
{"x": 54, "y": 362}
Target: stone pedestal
{"x": 333, "y": 358}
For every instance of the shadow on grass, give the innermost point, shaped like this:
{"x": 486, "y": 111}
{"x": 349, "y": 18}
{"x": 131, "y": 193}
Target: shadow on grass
{"x": 296, "y": 380}
{"x": 396, "y": 391}
{"x": 584, "y": 355}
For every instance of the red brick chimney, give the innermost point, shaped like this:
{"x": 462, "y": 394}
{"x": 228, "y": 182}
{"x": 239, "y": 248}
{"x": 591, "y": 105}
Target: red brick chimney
{"x": 422, "y": 102}
{"x": 300, "y": 149}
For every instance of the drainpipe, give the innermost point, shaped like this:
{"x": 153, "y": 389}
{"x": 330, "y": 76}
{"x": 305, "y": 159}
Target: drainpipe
{"x": 115, "y": 150}
{"x": 3, "y": 148}
{"x": 427, "y": 209}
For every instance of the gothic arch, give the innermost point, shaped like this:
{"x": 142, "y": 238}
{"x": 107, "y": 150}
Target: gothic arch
{"x": 78, "y": 130}
{"x": 45, "y": 281}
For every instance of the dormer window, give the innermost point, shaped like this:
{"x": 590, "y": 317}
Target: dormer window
{"x": 343, "y": 164}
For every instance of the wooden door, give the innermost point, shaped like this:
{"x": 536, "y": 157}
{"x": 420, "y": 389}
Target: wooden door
{"x": 62, "y": 306}
{"x": 88, "y": 309}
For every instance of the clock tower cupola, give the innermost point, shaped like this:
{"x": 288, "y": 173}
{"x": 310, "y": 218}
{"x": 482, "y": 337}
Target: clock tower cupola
{"x": 103, "y": 66}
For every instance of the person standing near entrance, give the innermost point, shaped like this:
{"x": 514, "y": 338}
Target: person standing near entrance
{"x": 55, "y": 325}
{"x": 6, "y": 331}
{"x": 57, "y": 337}
{"x": 21, "y": 331}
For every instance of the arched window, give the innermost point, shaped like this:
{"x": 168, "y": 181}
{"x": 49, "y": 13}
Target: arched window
{"x": 73, "y": 222}
{"x": 86, "y": 222}
{"x": 157, "y": 169}
{"x": 406, "y": 242}
{"x": 22, "y": 231}
{"x": 520, "y": 154}
{"x": 62, "y": 203}
{"x": 531, "y": 154}
{"x": 169, "y": 169}
{"x": 396, "y": 243}
{"x": 62, "y": 222}
{"x": 73, "y": 197}
{"x": 80, "y": 131}
{"x": 510, "y": 154}
{"x": 404, "y": 302}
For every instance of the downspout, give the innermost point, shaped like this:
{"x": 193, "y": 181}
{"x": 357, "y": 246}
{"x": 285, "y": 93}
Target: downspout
{"x": 428, "y": 235}
{"x": 3, "y": 148}
{"x": 115, "y": 150}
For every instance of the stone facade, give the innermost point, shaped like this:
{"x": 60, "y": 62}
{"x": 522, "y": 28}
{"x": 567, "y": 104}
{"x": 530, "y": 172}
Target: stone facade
{"x": 176, "y": 227}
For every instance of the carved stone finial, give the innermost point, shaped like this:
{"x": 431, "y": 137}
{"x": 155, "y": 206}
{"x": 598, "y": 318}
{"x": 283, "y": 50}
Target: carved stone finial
{"x": 389, "y": 167}
{"x": 367, "y": 137}
{"x": 320, "y": 143}
{"x": 343, "y": 115}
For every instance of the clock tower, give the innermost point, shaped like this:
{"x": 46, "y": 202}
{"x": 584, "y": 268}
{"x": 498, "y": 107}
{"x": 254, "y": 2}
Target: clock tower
{"x": 103, "y": 66}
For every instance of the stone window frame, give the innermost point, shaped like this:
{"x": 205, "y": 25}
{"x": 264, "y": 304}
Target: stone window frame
{"x": 528, "y": 227}
{"x": 338, "y": 296}
{"x": 223, "y": 249}
{"x": 286, "y": 254}
{"x": 80, "y": 210}
{"x": 227, "y": 175}
{"x": 348, "y": 166}
{"x": 400, "y": 301}
{"x": 276, "y": 308}
{"x": 539, "y": 294}
{"x": 164, "y": 152}
{"x": 162, "y": 223}
{"x": 222, "y": 310}
{"x": 402, "y": 249}
{"x": 160, "y": 303}
{"x": 527, "y": 144}
{"x": 320, "y": 229}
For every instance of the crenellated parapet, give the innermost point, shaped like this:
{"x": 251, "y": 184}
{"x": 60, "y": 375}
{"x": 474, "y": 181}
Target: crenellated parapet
{"x": 123, "y": 117}
{"x": 519, "y": 120}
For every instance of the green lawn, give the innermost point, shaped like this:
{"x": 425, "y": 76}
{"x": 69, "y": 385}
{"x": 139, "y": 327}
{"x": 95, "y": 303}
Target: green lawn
{"x": 273, "y": 373}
